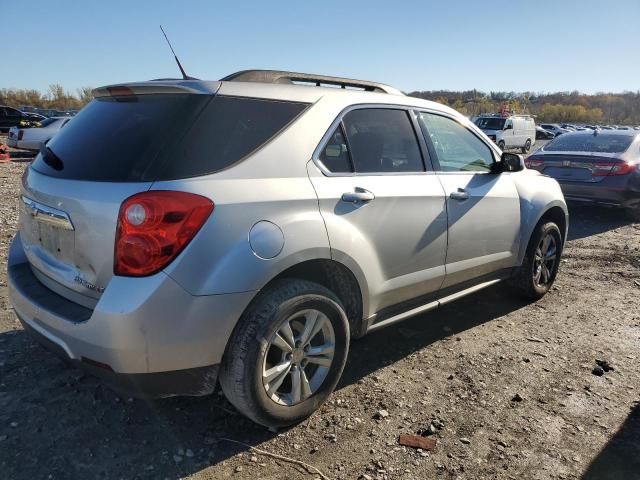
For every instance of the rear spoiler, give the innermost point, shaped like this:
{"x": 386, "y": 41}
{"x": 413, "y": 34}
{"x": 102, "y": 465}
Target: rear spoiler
{"x": 162, "y": 86}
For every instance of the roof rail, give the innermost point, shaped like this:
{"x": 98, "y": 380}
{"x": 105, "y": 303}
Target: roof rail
{"x": 276, "y": 76}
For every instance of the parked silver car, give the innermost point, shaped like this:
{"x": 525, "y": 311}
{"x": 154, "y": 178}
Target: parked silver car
{"x": 181, "y": 232}
{"x": 33, "y": 138}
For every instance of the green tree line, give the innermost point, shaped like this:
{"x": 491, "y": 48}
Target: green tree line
{"x": 571, "y": 107}
{"x": 55, "y": 97}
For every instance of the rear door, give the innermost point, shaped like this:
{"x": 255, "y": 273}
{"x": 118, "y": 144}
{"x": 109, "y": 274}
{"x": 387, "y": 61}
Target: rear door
{"x": 383, "y": 206}
{"x": 483, "y": 208}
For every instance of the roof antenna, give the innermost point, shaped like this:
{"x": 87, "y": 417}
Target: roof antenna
{"x": 184, "y": 74}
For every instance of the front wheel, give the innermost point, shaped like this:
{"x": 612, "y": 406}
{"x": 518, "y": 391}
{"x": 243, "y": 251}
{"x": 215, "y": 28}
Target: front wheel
{"x": 286, "y": 354}
{"x": 501, "y": 145}
{"x": 534, "y": 277}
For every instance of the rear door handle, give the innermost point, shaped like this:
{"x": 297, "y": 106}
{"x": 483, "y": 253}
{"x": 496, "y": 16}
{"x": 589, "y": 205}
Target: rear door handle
{"x": 460, "y": 195}
{"x": 359, "y": 195}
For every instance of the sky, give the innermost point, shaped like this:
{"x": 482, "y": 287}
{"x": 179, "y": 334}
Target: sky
{"x": 504, "y": 45}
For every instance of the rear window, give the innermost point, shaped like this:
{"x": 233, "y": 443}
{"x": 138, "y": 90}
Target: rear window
{"x": 601, "y": 143}
{"x": 162, "y": 137}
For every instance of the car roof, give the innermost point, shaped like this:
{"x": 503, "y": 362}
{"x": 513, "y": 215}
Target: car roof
{"x": 371, "y": 92}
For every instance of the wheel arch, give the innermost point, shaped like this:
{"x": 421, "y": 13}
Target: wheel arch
{"x": 556, "y": 212}
{"x": 338, "y": 278}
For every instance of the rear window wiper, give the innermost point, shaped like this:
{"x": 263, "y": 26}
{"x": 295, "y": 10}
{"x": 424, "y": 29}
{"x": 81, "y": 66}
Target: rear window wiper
{"x": 50, "y": 158}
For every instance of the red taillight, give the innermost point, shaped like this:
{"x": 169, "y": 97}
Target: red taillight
{"x": 622, "y": 168}
{"x": 20, "y": 134}
{"x": 154, "y": 227}
{"x": 611, "y": 168}
{"x": 534, "y": 163}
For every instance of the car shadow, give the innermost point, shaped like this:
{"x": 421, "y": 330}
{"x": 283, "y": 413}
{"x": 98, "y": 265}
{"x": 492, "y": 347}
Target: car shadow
{"x": 57, "y": 420}
{"x": 588, "y": 220}
{"x": 620, "y": 458}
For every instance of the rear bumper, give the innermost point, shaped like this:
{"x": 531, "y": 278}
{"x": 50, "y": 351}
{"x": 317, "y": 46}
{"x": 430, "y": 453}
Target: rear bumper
{"x": 144, "y": 333}
{"x": 620, "y": 192}
{"x": 192, "y": 381}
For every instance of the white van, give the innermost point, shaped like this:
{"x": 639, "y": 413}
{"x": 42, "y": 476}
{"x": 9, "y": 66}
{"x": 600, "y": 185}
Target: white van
{"x": 515, "y": 131}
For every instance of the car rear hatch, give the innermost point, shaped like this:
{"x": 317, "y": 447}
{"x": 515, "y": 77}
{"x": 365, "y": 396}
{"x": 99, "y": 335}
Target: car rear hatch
{"x": 72, "y": 192}
{"x": 122, "y": 142}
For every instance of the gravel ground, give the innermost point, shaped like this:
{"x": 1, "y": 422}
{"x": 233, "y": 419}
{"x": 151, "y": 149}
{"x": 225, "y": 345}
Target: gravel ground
{"x": 506, "y": 388}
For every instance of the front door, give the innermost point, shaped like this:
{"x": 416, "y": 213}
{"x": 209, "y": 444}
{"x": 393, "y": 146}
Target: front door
{"x": 384, "y": 210}
{"x": 483, "y": 208}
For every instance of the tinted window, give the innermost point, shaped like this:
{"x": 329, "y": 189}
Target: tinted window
{"x": 335, "y": 156}
{"x": 456, "y": 147}
{"x": 158, "y": 137}
{"x": 229, "y": 129}
{"x": 12, "y": 112}
{"x": 382, "y": 140}
{"x": 587, "y": 142}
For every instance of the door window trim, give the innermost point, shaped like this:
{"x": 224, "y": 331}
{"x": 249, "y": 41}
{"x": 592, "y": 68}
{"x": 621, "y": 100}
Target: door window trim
{"x": 425, "y": 153}
{"x": 436, "y": 161}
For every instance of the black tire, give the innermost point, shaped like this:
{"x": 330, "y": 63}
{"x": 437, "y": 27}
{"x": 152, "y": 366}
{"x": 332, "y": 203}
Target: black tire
{"x": 527, "y": 146}
{"x": 524, "y": 281}
{"x": 501, "y": 145}
{"x": 243, "y": 362}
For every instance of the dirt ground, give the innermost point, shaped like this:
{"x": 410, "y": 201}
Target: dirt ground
{"x": 463, "y": 367}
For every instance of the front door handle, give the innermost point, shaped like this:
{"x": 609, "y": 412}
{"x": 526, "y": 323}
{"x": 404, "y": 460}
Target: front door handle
{"x": 460, "y": 195}
{"x": 357, "y": 196}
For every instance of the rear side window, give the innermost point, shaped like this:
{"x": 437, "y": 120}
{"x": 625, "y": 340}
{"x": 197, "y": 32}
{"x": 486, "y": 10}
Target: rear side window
{"x": 229, "y": 129}
{"x": 162, "y": 136}
{"x": 382, "y": 141}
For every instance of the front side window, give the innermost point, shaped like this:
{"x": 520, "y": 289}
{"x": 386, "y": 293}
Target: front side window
{"x": 382, "y": 140}
{"x": 457, "y": 148}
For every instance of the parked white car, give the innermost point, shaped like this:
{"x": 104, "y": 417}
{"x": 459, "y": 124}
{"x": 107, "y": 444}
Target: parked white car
{"x": 32, "y": 138}
{"x": 516, "y": 131}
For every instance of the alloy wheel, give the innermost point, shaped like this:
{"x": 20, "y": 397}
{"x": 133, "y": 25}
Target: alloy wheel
{"x": 545, "y": 260}
{"x": 298, "y": 357}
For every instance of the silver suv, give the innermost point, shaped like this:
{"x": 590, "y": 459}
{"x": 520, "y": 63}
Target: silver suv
{"x": 179, "y": 233}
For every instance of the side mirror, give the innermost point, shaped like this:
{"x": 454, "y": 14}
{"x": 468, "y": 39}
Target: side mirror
{"x": 508, "y": 126}
{"x": 512, "y": 162}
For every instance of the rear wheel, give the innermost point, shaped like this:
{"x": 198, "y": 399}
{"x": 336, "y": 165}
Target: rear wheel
{"x": 287, "y": 353}
{"x": 540, "y": 265}
{"x": 527, "y": 147}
